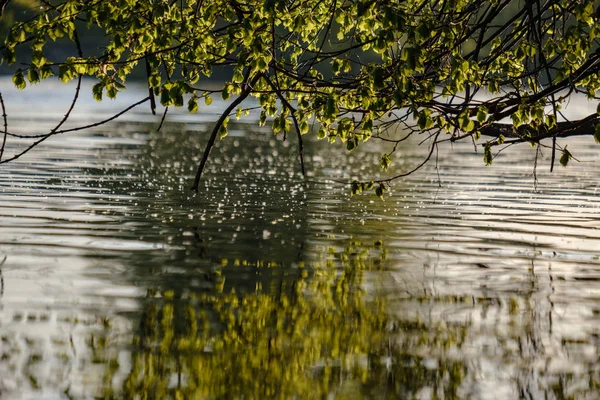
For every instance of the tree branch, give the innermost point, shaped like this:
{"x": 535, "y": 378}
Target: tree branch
{"x": 287, "y": 104}
{"x": 80, "y": 128}
{"x": 4, "y": 117}
{"x": 213, "y": 136}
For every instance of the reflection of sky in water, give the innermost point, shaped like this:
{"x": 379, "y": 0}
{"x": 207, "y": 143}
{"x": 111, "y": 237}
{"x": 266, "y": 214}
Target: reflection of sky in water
{"x": 485, "y": 271}
{"x": 19, "y": 104}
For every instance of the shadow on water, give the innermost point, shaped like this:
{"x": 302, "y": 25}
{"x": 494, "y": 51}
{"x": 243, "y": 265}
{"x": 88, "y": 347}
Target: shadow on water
{"x": 121, "y": 283}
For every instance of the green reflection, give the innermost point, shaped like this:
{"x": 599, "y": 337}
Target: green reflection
{"x": 323, "y": 333}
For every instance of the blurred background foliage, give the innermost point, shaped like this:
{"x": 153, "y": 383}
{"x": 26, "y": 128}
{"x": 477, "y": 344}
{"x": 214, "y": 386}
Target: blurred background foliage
{"x": 17, "y": 10}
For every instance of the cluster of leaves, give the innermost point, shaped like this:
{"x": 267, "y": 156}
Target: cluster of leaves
{"x": 448, "y": 70}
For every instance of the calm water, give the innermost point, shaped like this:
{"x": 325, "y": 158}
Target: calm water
{"x": 119, "y": 282}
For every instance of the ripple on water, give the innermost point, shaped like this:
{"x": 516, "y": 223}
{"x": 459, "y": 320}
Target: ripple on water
{"x": 486, "y": 280}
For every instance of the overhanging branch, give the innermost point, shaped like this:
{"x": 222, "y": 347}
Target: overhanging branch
{"x": 582, "y": 127}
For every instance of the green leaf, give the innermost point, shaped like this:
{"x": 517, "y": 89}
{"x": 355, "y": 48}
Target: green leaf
{"x": 154, "y": 80}
{"x": 331, "y": 109}
{"x": 111, "y": 91}
{"x": 19, "y": 80}
{"x": 193, "y": 105}
{"x": 222, "y": 131}
{"x": 18, "y": 36}
{"x": 304, "y": 127}
{"x": 263, "y": 118}
{"x": 66, "y": 73}
{"x": 322, "y": 134}
{"x": 262, "y": 65}
{"x": 380, "y": 190}
{"x": 566, "y": 156}
{"x": 9, "y": 55}
{"x": 46, "y": 72}
{"x": 424, "y": 121}
{"x": 516, "y": 119}
{"x": 165, "y": 98}
{"x": 97, "y": 91}
{"x": 237, "y": 76}
{"x": 385, "y": 162}
{"x": 597, "y": 133}
{"x": 465, "y": 123}
{"x": 351, "y": 144}
{"x": 481, "y": 114}
{"x": 226, "y": 94}
{"x": 278, "y": 125}
{"x": 487, "y": 155}
{"x": 208, "y": 100}
{"x": 177, "y": 100}
{"x": 37, "y": 59}
{"x": 33, "y": 76}
{"x": 336, "y": 66}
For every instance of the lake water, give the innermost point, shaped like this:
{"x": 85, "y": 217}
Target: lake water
{"x": 119, "y": 282}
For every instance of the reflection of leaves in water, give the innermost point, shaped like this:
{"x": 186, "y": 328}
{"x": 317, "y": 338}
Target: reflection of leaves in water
{"x": 317, "y": 335}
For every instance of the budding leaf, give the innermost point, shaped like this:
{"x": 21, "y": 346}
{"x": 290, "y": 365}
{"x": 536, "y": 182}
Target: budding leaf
{"x": 19, "y": 80}
{"x": 225, "y": 93}
{"x": 487, "y": 155}
{"x": 263, "y": 118}
{"x": 385, "y": 161}
{"x": 303, "y": 127}
{"x": 33, "y": 76}
{"x": 466, "y": 123}
{"x": 193, "y": 105}
{"x": 111, "y": 92}
{"x": 351, "y": 144}
{"x": 97, "y": 91}
{"x": 222, "y": 131}
{"x": 322, "y": 133}
{"x": 481, "y": 114}
{"x": 566, "y": 156}
{"x": 380, "y": 190}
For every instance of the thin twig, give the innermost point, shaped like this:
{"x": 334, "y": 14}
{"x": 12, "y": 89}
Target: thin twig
{"x": 418, "y": 167}
{"x": 150, "y": 89}
{"x": 213, "y": 136}
{"x": 56, "y": 132}
{"x": 4, "y": 117}
{"x": 162, "y": 120}
{"x": 287, "y": 104}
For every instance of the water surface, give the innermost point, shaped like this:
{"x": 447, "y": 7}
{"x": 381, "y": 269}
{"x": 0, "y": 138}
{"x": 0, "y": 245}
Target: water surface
{"x": 121, "y": 283}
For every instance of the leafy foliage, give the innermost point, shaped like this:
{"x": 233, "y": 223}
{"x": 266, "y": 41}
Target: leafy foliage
{"x": 448, "y": 70}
